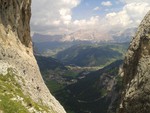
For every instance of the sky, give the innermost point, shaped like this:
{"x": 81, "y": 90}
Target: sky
{"x": 67, "y": 16}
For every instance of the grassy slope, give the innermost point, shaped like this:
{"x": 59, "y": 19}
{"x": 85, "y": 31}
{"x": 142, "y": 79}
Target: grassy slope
{"x": 12, "y": 99}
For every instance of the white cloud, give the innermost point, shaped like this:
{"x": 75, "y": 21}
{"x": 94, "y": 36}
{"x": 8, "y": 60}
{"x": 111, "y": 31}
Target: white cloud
{"x": 96, "y": 8}
{"x": 136, "y": 1}
{"x": 130, "y": 16}
{"x": 71, "y": 2}
{"x": 47, "y": 15}
{"x": 65, "y": 15}
{"x": 107, "y": 3}
{"x": 56, "y": 22}
{"x": 83, "y": 24}
{"x": 118, "y": 20}
{"x": 137, "y": 10}
{"x": 55, "y": 17}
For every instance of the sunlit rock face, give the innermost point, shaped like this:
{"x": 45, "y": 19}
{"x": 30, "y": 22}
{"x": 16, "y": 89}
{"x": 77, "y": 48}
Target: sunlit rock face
{"x": 136, "y": 70}
{"x": 16, "y": 54}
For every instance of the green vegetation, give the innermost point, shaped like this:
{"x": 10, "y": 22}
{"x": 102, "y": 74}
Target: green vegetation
{"x": 48, "y": 63}
{"x": 103, "y": 92}
{"x": 88, "y": 93}
{"x": 54, "y": 86}
{"x": 83, "y": 81}
{"x": 119, "y": 84}
{"x": 92, "y": 55}
{"x": 12, "y": 99}
{"x": 70, "y": 73}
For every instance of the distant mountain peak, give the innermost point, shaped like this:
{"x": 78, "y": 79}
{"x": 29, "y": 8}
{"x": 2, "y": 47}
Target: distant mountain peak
{"x": 87, "y": 35}
{"x": 45, "y": 38}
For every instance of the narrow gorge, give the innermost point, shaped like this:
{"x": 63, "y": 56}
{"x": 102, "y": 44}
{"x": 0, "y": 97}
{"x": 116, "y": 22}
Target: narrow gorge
{"x": 23, "y": 90}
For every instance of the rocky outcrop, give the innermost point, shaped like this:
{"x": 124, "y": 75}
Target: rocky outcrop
{"x": 19, "y": 74}
{"x": 15, "y": 16}
{"x": 136, "y": 72}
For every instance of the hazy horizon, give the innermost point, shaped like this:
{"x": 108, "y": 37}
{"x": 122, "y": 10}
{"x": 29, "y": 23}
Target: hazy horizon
{"x": 67, "y": 16}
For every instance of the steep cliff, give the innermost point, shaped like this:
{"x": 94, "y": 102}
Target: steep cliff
{"x": 22, "y": 88}
{"x": 136, "y": 72}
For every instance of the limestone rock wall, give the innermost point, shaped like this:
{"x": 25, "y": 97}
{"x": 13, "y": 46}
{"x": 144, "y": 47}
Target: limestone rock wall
{"x": 16, "y": 52}
{"x": 15, "y": 16}
{"x": 136, "y": 72}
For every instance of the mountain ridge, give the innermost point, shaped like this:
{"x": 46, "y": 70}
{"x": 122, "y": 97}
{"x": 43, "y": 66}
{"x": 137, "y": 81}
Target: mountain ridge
{"x": 87, "y": 35}
{"x": 135, "y": 72}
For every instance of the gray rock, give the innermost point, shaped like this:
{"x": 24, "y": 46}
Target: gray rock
{"x": 16, "y": 52}
{"x": 136, "y": 69}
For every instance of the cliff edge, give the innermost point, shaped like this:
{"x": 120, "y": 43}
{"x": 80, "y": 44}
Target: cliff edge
{"x": 136, "y": 72}
{"x": 22, "y": 88}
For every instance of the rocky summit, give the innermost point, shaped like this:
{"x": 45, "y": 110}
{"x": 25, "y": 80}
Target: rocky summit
{"x": 136, "y": 72}
{"x": 22, "y": 89}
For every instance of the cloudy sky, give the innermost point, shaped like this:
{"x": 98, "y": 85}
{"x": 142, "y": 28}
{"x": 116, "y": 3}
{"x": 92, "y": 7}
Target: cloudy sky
{"x": 66, "y": 16}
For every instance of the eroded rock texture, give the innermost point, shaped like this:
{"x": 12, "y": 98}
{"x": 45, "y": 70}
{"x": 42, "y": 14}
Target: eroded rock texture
{"x": 16, "y": 55}
{"x": 136, "y": 71}
{"x": 15, "y": 16}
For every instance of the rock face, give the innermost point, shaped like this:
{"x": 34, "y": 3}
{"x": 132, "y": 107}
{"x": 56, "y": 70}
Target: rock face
{"x": 136, "y": 72}
{"x": 17, "y": 60}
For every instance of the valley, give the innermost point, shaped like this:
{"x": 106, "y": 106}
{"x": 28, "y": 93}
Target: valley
{"x": 83, "y": 87}
{"x": 78, "y": 60}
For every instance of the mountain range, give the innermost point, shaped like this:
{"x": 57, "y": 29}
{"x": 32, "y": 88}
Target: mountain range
{"x": 117, "y": 87}
{"x": 52, "y": 44}
{"x": 87, "y": 35}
